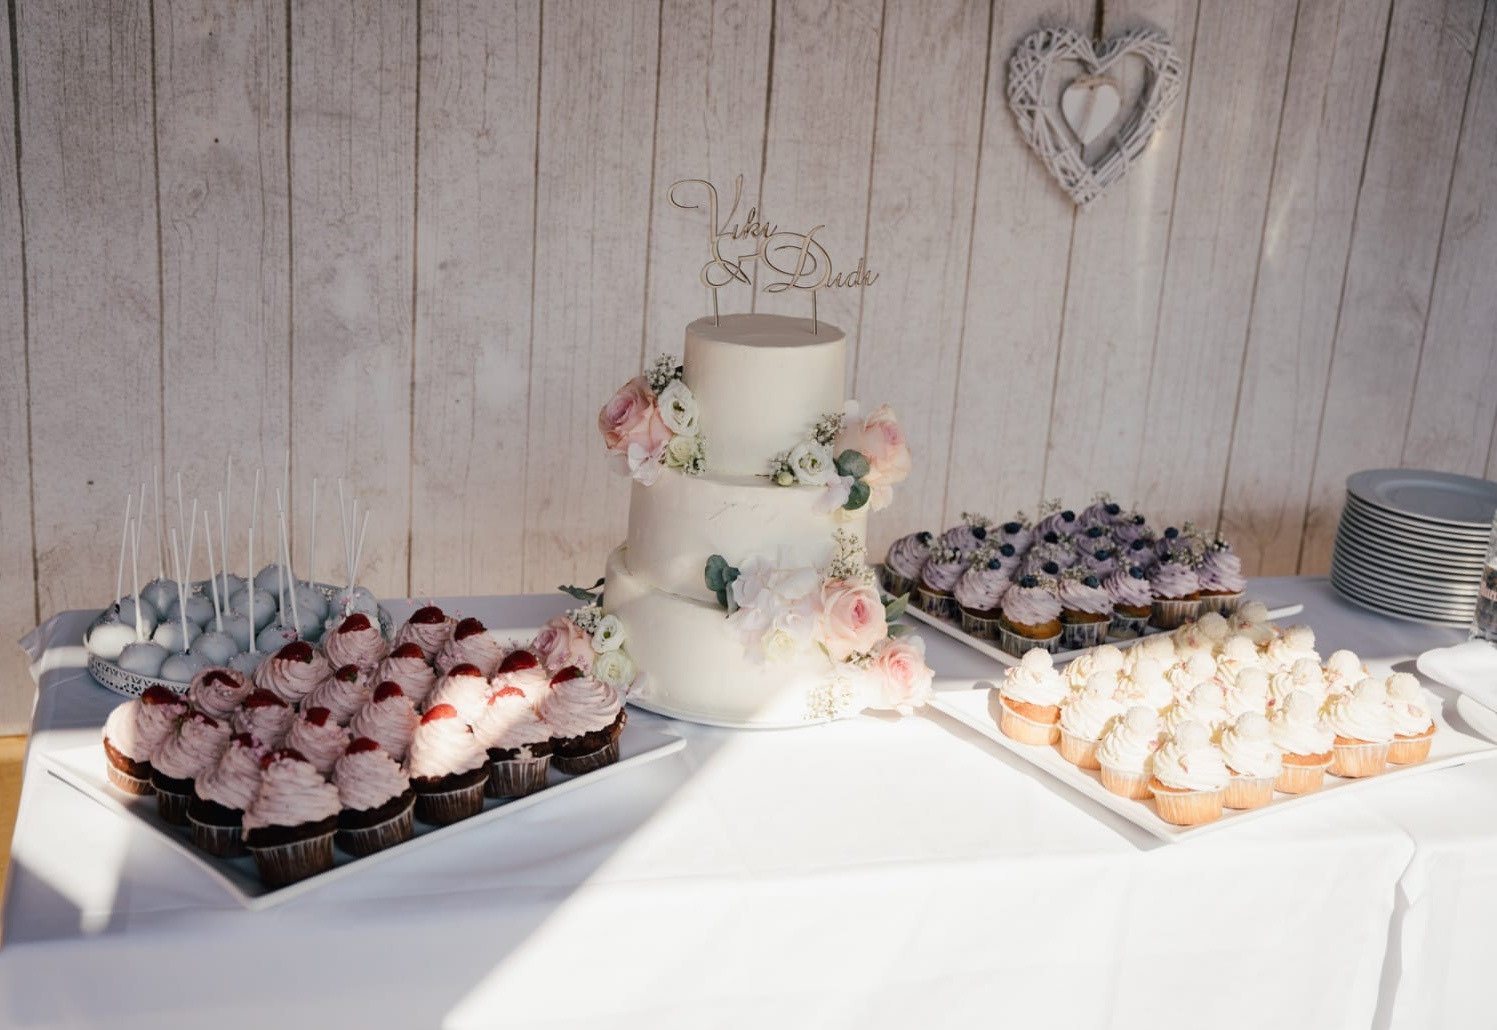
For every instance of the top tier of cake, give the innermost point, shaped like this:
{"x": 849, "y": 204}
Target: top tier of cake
{"x": 761, "y": 382}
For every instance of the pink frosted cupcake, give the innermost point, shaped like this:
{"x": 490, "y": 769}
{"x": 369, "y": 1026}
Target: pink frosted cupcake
{"x": 160, "y": 711}
{"x": 517, "y": 741}
{"x": 407, "y": 666}
{"x": 377, "y": 799}
{"x": 293, "y": 672}
{"x": 265, "y": 717}
{"x": 289, "y": 826}
{"x": 429, "y": 628}
{"x": 465, "y": 688}
{"x": 389, "y": 719}
{"x": 221, "y": 795}
{"x": 523, "y": 670}
{"x": 342, "y": 693}
{"x": 1189, "y": 780}
{"x": 448, "y": 768}
{"x": 586, "y": 717}
{"x": 471, "y": 644}
{"x": 1253, "y": 759}
{"x": 318, "y": 738}
{"x": 356, "y": 641}
{"x": 218, "y": 691}
{"x": 190, "y": 750}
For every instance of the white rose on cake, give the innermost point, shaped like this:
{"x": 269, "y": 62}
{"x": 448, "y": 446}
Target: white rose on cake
{"x": 682, "y": 451}
{"x": 614, "y": 668}
{"x": 608, "y": 635}
{"x": 778, "y": 646}
{"x": 812, "y": 463}
{"x": 678, "y": 409}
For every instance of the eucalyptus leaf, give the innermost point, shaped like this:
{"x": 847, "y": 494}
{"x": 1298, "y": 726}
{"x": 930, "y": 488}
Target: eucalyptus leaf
{"x": 588, "y": 595}
{"x": 719, "y": 576}
{"x": 851, "y": 463}
{"x": 896, "y": 607}
{"x": 857, "y": 496}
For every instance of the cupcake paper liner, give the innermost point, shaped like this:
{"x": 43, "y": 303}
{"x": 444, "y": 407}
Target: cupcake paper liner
{"x": 1025, "y": 730}
{"x": 296, "y": 860}
{"x": 576, "y": 764}
{"x": 1134, "y": 785}
{"x": 1076, "y": 635}
{"x": 1301, "y": 779}
{"x": 1127, "y": 626}
{"x": 367, "y": 840}
{"x": 172, "y": 807}
{"x": 137, "y": 785}
{"x": 941, "y": 605}
{"x": 1366, "y": 758}
{"x": 1224, "y": 604}
{"x": 450, "y": 806}
{"x": 219, "y": 841}
{"x": 1188, "y": 808}
{"x": 1016, "y": 645}
{"x": 983, "y": 627}
{"x": 1171, "y": 614}
{"x": 1249, "y": 792}
{"x": 1079, "y": 751}
{"x": 1410, "y": 750}
{"x": 897, "y": 584}
{"x": 516, "y": 777}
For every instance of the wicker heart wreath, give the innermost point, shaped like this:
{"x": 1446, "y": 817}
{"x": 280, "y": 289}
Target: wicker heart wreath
{"x": 1057, "y": 132}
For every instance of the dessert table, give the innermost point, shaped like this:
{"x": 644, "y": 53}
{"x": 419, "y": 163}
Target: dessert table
{"x": 872, "y": 872}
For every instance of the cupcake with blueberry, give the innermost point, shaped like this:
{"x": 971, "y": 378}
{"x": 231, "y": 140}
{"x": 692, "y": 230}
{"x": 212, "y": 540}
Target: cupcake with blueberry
{"x": 220, "y": 796}
{"x": 407, "y": 666}
{"x": 586, "y": 717}
{"x": 1130, "y": 527}
{"x": 429, "y": 628}
{"x": 1060, "y": 521}
{"x": 265, "y": 716}
{"x": 1413, "y": 724}
{"x": 389, "y": 719}
{"x": 968, "y": 536}
{"x": 518, "y": 743}
{"x": 1085, "y": 609}
{"x": 1189, "y": 778}
{"x": 904, "y": 561}
{"x": 938, "y": 578}
{"x": 1101, "y": 562}
{"x": 1132, "y": 600}
{"x": 471, "y": 644}
{"x": 1051, "y": 549}
{"x": 979, "y": 593}
{"x": 1220, "y": 575}
{"x": 376, "y": 798}
{"x": 1176, "y": 590}
{"x": 289, "y": 826}
{"x": 448, "y": 768}
{"x": 1031, "y": 616}
{"x": 1016, "y": 531}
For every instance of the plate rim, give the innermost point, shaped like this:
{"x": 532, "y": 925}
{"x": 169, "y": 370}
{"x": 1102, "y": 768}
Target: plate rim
{"x": 1362, "y": 483}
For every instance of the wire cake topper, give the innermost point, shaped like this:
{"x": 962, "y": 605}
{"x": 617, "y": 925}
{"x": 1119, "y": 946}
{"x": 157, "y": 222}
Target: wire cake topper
{"x": 797, "y": 259}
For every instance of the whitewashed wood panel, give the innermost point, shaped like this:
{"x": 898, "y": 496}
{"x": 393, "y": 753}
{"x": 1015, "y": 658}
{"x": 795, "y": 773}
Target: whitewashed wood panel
{"x": 714, "y": 82}
{"x": 353, "y": 129}
{"x": 822, "y": 100}
{"x": 920, "y": 230}
{"x": 1231, "y": 123}
{"x": 1455, "y": 399}
{"x": 1317, "y": 169}
{"x": 17, "y": 583}
{"x": 89, "y": 197}
{"x": 1014, "y": 299}
{"x": 1111, "y": 312}
{"x": 221, "y": 148}
{"x": 474, "y": 230}
{"x": 597, "y": 118}
{"x": 1426, "y": 67}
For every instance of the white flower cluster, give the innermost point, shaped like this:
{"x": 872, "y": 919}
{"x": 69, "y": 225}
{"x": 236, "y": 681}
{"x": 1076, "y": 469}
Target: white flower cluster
{"x": 611, "y": 661}
{"x": 663, "y": 372}
{"x": 975, "y": 520}
{"x": 827, "y": 427}
{"x": 849, "y": 563}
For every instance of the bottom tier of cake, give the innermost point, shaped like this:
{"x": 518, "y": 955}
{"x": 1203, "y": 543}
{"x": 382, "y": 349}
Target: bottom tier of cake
{"x": 693, "y": 665}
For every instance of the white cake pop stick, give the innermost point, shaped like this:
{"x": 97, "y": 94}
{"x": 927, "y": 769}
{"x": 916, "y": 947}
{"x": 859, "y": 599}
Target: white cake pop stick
{"x": 225, "y": 505}
{"x": 358, "y": 553}
{"x": 192, "y": 536}
{"x": 343, "y": 519}
{"x": 312, "y": 548}
{"x": 119, "y": 572}
{"x": 135, "y": 576}
{"x": 218, "y": 613}
{"x": 160, "y": 522}
{"x": 280, "y": 563}
{"x": 250, "y": 585}
{"x": 181, "y": 586}
{"x": 181, "y": 511}
{"x": 295, "y": 610}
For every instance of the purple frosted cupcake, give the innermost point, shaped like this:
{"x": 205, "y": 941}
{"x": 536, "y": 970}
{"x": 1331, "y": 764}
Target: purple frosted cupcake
{"x": 1132, "y": 601}
{"x": 1177, "y": 592}
{"x": 979, "y": 593}
{"x": 1222, "y": 583}
{"x": 1132, "y": 526}
{"x": 904, "y": 561}
{"x": 1061, "y": 522}
{"x": 1031, "y": 616}
{"x": 1103, "y": 512}
{"x": 1101, "y": 563}
{"x": 969, "y": 536}
{"x": 938, "y": 580}
{"x": 1085, "y": 610}
{"x": 1017, "y": 531}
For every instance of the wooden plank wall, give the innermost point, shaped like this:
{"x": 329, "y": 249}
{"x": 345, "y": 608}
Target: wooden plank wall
{"x": 418, "y": 244}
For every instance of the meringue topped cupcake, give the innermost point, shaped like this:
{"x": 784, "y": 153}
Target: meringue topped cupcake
{"x": 979, "y": 593}
{"x": 389, "y": 719}
{"x": 265, "y": 716}
{"x": 1189, "y": 779}
{"x": 1105, "y": 658}
{"x": 429, "y": 628}
{"x": 407, "y": 666}
{"x": 218, "y": 691}
{"x": 1126, "y": 750}
{"x": 1202, "y": 706}
{"x": 1413, "y": 725}
{"x": 1253, "y": 759}
{"x": 289, "y": 826}
{"x": 356, "y": 641}
{"x": 1029, "y": 699}
{"x": 1305, "y": 742}
{"x": 938, "y": 579}
{"x": 472, "y": 644}
{"x": 292, "y": 672}
{"x": 448, "y": 768}
{"x": 1031, "y": 616}
{"x": 585, "y": 716}
{"x": 1084, "y": 715}
{"x": 904, "y": 561}
{"x": 518, "y": 743}
{"x": 1363, "y": 726}
{"x": 376, "y": 796}
{"x": 1343, "y": 670}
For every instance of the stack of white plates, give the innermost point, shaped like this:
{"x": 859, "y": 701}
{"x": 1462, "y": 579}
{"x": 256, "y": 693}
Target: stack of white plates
{"x": 1412, "y": 543}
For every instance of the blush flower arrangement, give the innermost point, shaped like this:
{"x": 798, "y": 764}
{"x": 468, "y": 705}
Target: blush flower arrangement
{"x": 857, "y": 461}
{"x": 589, "y": 638}
{"x": 652, "y": 422}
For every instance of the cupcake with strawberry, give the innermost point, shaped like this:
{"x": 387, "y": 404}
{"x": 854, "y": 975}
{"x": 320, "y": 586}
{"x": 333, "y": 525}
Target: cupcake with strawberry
{"x": 318, "y": 737}
{"x": 518, "y": 743}
{"x": 465, "y": 688}
{"x": 193, "y": 747}
{"x": 265, "y": 716}
{"x": 289, "y": 826}
{"x": 471, "y": 644}
{"x": 448, "y": 767}
{"x": 376, "y": 796}
{"x": 389, "y": 719}
{"x": 586, "y": 717}
{"x": 342, "y": 694}
{"x": 356, "y": 641}
{"x": 407, "y": 666}
{"x": 293, "y": 672}
{"x": 429, "y": 628}
{"x": 219, "y": 691}
{"x": 524, "y": 671}
{"x": 220, "y": 796}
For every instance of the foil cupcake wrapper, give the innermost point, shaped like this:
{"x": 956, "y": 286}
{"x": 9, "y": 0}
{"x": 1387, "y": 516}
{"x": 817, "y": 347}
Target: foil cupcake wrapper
{"x": 1172, "y": 614}
{"x": 1016, "y": 645}
{"x": 942, "y": 606}
{"x": 517, "y": 777}
{"x": 982, "y": 627}
{"x": 896, "y": 584}
{"x": 1128, "y": 626}
{"x": 288, "y": 863}
{"x": 577, "y": 764}
{"x": 366, "y": 840}
{"x": 1224, "y": 604}
{"x": 1076, "y": 635}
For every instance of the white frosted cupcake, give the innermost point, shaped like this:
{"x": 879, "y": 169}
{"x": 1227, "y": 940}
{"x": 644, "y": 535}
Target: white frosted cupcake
{"x": 1305, "y": 741}
{"x": 1413, "y": 725}
{"x": 1029, "y": 700}
{"x": 1363, "y": 726}
{"x": 1084, "y": 714}
{"x": 1253, "y": 759}
{"x": 1343, "y": 671}
{"x": 1189, "y": 780}
{"x": 1125, "y": 751}
{"x": 1203, "y": 705}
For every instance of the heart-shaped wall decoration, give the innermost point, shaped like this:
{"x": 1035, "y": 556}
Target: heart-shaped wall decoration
{"x": 1059, "y": 123}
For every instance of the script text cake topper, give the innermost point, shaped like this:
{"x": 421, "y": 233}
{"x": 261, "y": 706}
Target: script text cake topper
{"x": 797, "y": 260}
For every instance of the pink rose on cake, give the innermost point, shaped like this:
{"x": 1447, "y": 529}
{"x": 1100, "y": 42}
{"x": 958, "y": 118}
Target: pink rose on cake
{"x": 901, "y": 675}
{"x": 852, "y": 618}
{"x": 881, "y": 439}
{"x": 631, "y": 416}
{"x": 561, "y": 642}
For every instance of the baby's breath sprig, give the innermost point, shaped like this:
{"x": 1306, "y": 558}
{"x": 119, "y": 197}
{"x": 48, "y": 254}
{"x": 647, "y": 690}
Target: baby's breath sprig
{"x": 780, "y": 470}
{"x": 827, "y": 427}
{"x": 977, "y": 519}
{"x": 586, "y": 617}
{"x": 848, "y": 563}
{"x": 663, "y": 372}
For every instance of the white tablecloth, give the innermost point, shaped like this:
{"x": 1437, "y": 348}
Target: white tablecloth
{"x": 874, "y": 872}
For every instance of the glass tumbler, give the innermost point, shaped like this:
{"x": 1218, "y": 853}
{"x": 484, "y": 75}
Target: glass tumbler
{"x": 1484, "y": 621}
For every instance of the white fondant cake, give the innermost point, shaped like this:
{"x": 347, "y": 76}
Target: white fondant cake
{"x": 760, "y": 383}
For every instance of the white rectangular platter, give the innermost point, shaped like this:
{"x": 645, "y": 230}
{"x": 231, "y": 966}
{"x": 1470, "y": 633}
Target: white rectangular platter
{"x": 992, "y": 650}
{"x": 1471, "y": 736}
{"x": 84, "y": 769}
